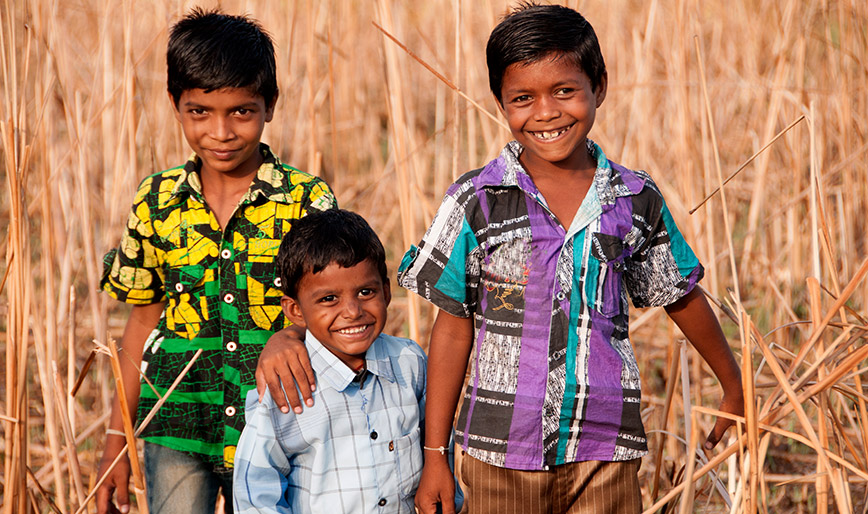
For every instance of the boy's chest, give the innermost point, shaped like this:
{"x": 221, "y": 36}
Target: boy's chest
{"x": 529, "y": 259}
{"x": 191, "y": 235}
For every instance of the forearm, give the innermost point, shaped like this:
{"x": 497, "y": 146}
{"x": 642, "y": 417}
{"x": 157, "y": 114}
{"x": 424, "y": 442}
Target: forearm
{"x": 696, "y": 320}
{"x": 142, "y": 321}
{"x": 449, "y": 351}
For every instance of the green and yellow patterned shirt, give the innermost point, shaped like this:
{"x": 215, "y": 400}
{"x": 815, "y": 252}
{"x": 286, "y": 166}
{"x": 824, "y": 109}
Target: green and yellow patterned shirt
{"x": 221, "y": 290}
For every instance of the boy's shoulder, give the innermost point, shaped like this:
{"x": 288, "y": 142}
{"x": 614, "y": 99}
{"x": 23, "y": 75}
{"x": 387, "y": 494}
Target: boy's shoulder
{"x": 394, "y": 345}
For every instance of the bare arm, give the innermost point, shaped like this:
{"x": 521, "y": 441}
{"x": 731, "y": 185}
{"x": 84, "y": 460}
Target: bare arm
{"x": 696, "y": 320}
{"x": 451, "y": 342}
{"x": 285, "y": 359}
{"x": 142, "y": 321}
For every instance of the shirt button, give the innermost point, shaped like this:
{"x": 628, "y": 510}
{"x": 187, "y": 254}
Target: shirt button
{"x": 382, "y": 502}
{"x": 230, "y": 411}
{"x": 226, "y": 253}
{"x": 561, "y": 295}
{"x": 231, "y": 346}
{"x": 228, "y": 298}
{"x": 391, "y": 446}
{"x": 374, "y": 434}
{"x": 277, "y": 282}
{"x": 179, "y": 287}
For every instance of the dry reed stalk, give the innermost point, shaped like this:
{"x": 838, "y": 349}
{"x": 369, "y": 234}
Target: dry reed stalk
{"x": 51, "y": 428}
{"x": 311, "y": 75}
{"x": 69, "y": 437}
{"x": 138, "y": 479}
{"x": 442, "y": 78}
{"x": 671, "y": 379}
{"x": 97, "y": 425}
{"x": 822, "y": 482}
{"x": 16, "y": 153}
{"x": 750, "y": 416}
{"x": 395, "y": 92}
{"x": 747, "y": 162}
{"x": 803, "y": 419}
{"x": 817, "y": 331}
{"x": 687, "y": 497}
{"x": 333, "y": 176}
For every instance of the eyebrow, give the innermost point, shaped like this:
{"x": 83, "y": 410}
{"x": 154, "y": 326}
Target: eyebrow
{"x": 330, "y": 290}
{"x": 194, "y": 105}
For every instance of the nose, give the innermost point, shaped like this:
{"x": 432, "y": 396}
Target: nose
{"x": 352, "y": 308}
{"x": 546, "y": 108}
{"x": 222, "y": 128}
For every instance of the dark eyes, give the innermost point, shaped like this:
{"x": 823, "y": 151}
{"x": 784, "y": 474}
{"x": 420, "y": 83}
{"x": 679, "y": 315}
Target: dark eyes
{"x": 241, "y": 111}
{"x": 363, "y": 293}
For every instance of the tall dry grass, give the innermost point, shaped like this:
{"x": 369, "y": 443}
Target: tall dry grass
{"x": 696, "y": 88}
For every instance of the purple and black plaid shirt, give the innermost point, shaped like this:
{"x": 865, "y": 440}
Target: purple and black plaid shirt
{"x": 553, "y": 376}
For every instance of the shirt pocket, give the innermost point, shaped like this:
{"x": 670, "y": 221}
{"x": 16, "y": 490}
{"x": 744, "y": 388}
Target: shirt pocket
{"x": 185, "y": 313}
{"x": 504, "y": 275}
{"x": 263, "y": 295}
{"x": 607, "y": 294}
{"x": 408, "y": 455}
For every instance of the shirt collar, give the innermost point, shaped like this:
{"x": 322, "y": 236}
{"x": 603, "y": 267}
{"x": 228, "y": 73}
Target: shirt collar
{"x": 334, "y": 372}
{"x": 270, "y": 181}
{"x": 610, "y": 180}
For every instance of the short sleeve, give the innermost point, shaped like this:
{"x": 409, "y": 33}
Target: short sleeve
{"x": 132, "y": 272}
{"x": 320, "y": 197}
{"x": 663, "y": 267}
{"x": 445, "y": 267}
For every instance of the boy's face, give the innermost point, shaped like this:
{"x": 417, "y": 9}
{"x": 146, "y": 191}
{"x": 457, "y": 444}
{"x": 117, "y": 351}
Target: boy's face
{"x": 344, "y": 308}
{"x": 550, "y": 107}
{"x": 224, "y": 128}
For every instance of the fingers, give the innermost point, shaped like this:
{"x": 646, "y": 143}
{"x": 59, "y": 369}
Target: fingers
{"x": 717, "y": 433}
{"x": 104, "y": 498}
{"x": 104, "y": 504}
{"x": 302, "y": 374}
{"x": 123, "y": 495}
{"x": 260, "y": 383}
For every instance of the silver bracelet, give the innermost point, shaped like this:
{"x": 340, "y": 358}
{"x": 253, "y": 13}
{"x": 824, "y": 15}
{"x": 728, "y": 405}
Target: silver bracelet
{"x": 111, "y": 431}
{"x": 441, "y": 449}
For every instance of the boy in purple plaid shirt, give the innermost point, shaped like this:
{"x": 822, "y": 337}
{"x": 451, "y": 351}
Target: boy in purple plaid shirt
{"x": 530, "y": 260}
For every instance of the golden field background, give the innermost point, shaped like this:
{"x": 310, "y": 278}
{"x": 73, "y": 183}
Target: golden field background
{"x": 84, "y": 117}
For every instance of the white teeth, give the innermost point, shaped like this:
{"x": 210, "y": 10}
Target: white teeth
{"x": 353, "y": 330}
{"x": 548, "y": 134}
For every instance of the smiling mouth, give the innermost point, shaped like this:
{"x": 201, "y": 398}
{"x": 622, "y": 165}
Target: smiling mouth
{"x": 548, "y": 135}
{"x": 223, "y": 153}
{"x": 351, "y": 331}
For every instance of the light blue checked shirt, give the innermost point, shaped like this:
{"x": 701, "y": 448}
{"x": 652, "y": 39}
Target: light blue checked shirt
{"x": 358, "y": 449}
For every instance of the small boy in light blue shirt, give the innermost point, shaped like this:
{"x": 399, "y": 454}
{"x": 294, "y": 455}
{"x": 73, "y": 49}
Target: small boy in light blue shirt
{"x": 358, "y": 448}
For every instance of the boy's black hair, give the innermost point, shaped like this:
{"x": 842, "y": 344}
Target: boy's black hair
{"x": 531, "y": 32}
{"x": 211, "y": 50}
{"x": 334, "y": 236}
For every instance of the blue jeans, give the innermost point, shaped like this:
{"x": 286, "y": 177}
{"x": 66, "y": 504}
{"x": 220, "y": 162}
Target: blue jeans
{"x": 178, "y": 483}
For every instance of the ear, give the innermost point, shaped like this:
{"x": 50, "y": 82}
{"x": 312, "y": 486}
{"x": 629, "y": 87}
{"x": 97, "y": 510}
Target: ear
{"x": 499, "y": 105}
{"x": 174, "y": 106}
{"x": 269, "y": 109}
{"x": 601, "y": 89}
{"x": 387, "y": 293}
{"x": 292, "y": 310}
